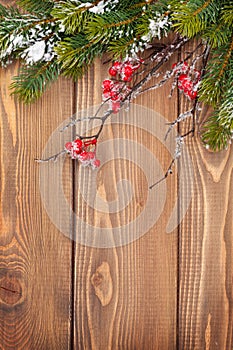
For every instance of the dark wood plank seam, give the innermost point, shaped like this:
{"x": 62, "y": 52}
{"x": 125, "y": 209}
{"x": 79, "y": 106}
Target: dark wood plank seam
{"x": 73, "y": 233}
{"x": 178, "y": 231}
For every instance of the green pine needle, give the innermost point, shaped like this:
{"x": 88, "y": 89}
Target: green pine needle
{"x": 32, "y": 81}
{"x": 215, "y": 135}
{"x": 227, "y": 13}
{"x": 225, "y": 115}
{"x": 217, "y": 35}
{"x": 38, "y": 7}
{"x": 75, "y": 54}
{"x": 107, "y": 27}
{"x": 218, "y": 78}
{"x": 193, "y": 17}
{"x": 121, "y": 47}
{"x": 218, "y": 130}
{"x": 71, "y": 15}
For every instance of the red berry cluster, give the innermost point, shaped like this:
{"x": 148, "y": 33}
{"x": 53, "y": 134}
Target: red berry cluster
{"x": 84, "y": 151}
{"x": 116, "y": 88}
{"x": 125, "y": 69}
{"x": 188, "y": 79}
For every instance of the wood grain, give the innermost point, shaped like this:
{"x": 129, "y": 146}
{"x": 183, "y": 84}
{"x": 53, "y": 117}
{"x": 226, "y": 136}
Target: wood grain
{"x": 141, "y": 312}
{"x": 59, "y": 294}
{"x": 35, "y": 258}
{"x": 206, "y": 250}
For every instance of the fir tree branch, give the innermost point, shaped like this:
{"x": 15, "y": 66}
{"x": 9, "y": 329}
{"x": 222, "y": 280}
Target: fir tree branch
{"x": 225, "y": 115}
{"x": 215, "y": 135}
{"x": 218, "y": 130}
{"x": 106, "y": 28}
{"x": 217, "y": 35}
{"x": 32, "y": 81}
{"x": 226, "y": 59}
{"x": 72, "y": 16}
{"x": 75, "y": 54}
{"x": 227, "y": 14}
{"x": 203, "y": 7}
{"x": 218, "y": 77}
{"x": 194, "y": 17}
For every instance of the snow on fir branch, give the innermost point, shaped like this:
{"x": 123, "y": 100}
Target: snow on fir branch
{"x": 53, "y": 38}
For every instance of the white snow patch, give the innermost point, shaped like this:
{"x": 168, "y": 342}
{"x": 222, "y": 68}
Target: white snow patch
{"x": 35, "y": 52}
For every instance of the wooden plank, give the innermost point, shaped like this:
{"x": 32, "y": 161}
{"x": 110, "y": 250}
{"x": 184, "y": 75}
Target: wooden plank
{"x": 35, "y": 258}
{"x": 206, "y": 250}
{"x": 125, "y": 296}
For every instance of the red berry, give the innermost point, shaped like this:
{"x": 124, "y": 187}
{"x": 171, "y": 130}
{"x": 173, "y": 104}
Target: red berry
{"x": 183, "y": 77}
{"x": 116, "y": 106}
{"x": 182, "y": 80}
{"x": 127, "y": 70}
{"x": 187, "y": 85}
{"x": 114, "y": 96}
{"x": 117, "y": 65}
{"x": 192, "y": 94}
{"x": 185, "y": 66}
{"x": 91, "y": 155}
{"x": 68, "y": 146}
{"x": 127, "y": 78}
{"x": 77, "y": 151}
{"x": 73, "y": 155}
{"x": 96, "y": 163}
{"x": 112, "y": 71}
{"x": 84, "y": 156}
{"x": 78, "y": 143}
{"x": 106, "y": 94}
{"x": 107, "y": 84}
{"x": 77, "y": 146}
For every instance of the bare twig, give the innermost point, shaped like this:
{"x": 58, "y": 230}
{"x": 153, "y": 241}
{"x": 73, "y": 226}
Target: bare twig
{"x": 168, "y": 172}
{"x": 191, "y": 113}
{"x": 53, "y": 158}
{"x": 161, "y": 57}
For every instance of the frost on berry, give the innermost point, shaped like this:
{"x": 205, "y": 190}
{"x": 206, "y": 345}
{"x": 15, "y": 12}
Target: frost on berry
{"x": 83, "y": 156}
{"x": 84, "y": 152}
{"x": 116, "y": 89}
{"x": 95, "y": 164}
{"x": 187, "y": 79}
{"x": 112, "y": 71}
{"x": 68, "y": 146}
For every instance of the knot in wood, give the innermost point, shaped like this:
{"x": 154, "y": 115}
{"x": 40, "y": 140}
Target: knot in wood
{"x": 10, "y": 290}
{"x": 102, "y": 283}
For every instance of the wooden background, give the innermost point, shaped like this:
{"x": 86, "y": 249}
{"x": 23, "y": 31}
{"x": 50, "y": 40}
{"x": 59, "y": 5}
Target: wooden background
{"x": 162, "y": 291}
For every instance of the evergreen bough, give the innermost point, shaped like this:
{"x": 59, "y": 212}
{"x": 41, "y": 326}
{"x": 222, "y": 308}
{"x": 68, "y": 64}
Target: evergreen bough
{"x": 64, "y": 37}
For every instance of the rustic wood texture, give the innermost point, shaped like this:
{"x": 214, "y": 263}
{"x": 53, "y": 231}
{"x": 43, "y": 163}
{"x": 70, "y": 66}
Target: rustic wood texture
{"x": 161, "y": 291}
{"x": 132, "y": 304}
{"x": 35, "y": 258}
{"x": 206, "y": 248}
{"x": 205, "y": 254}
